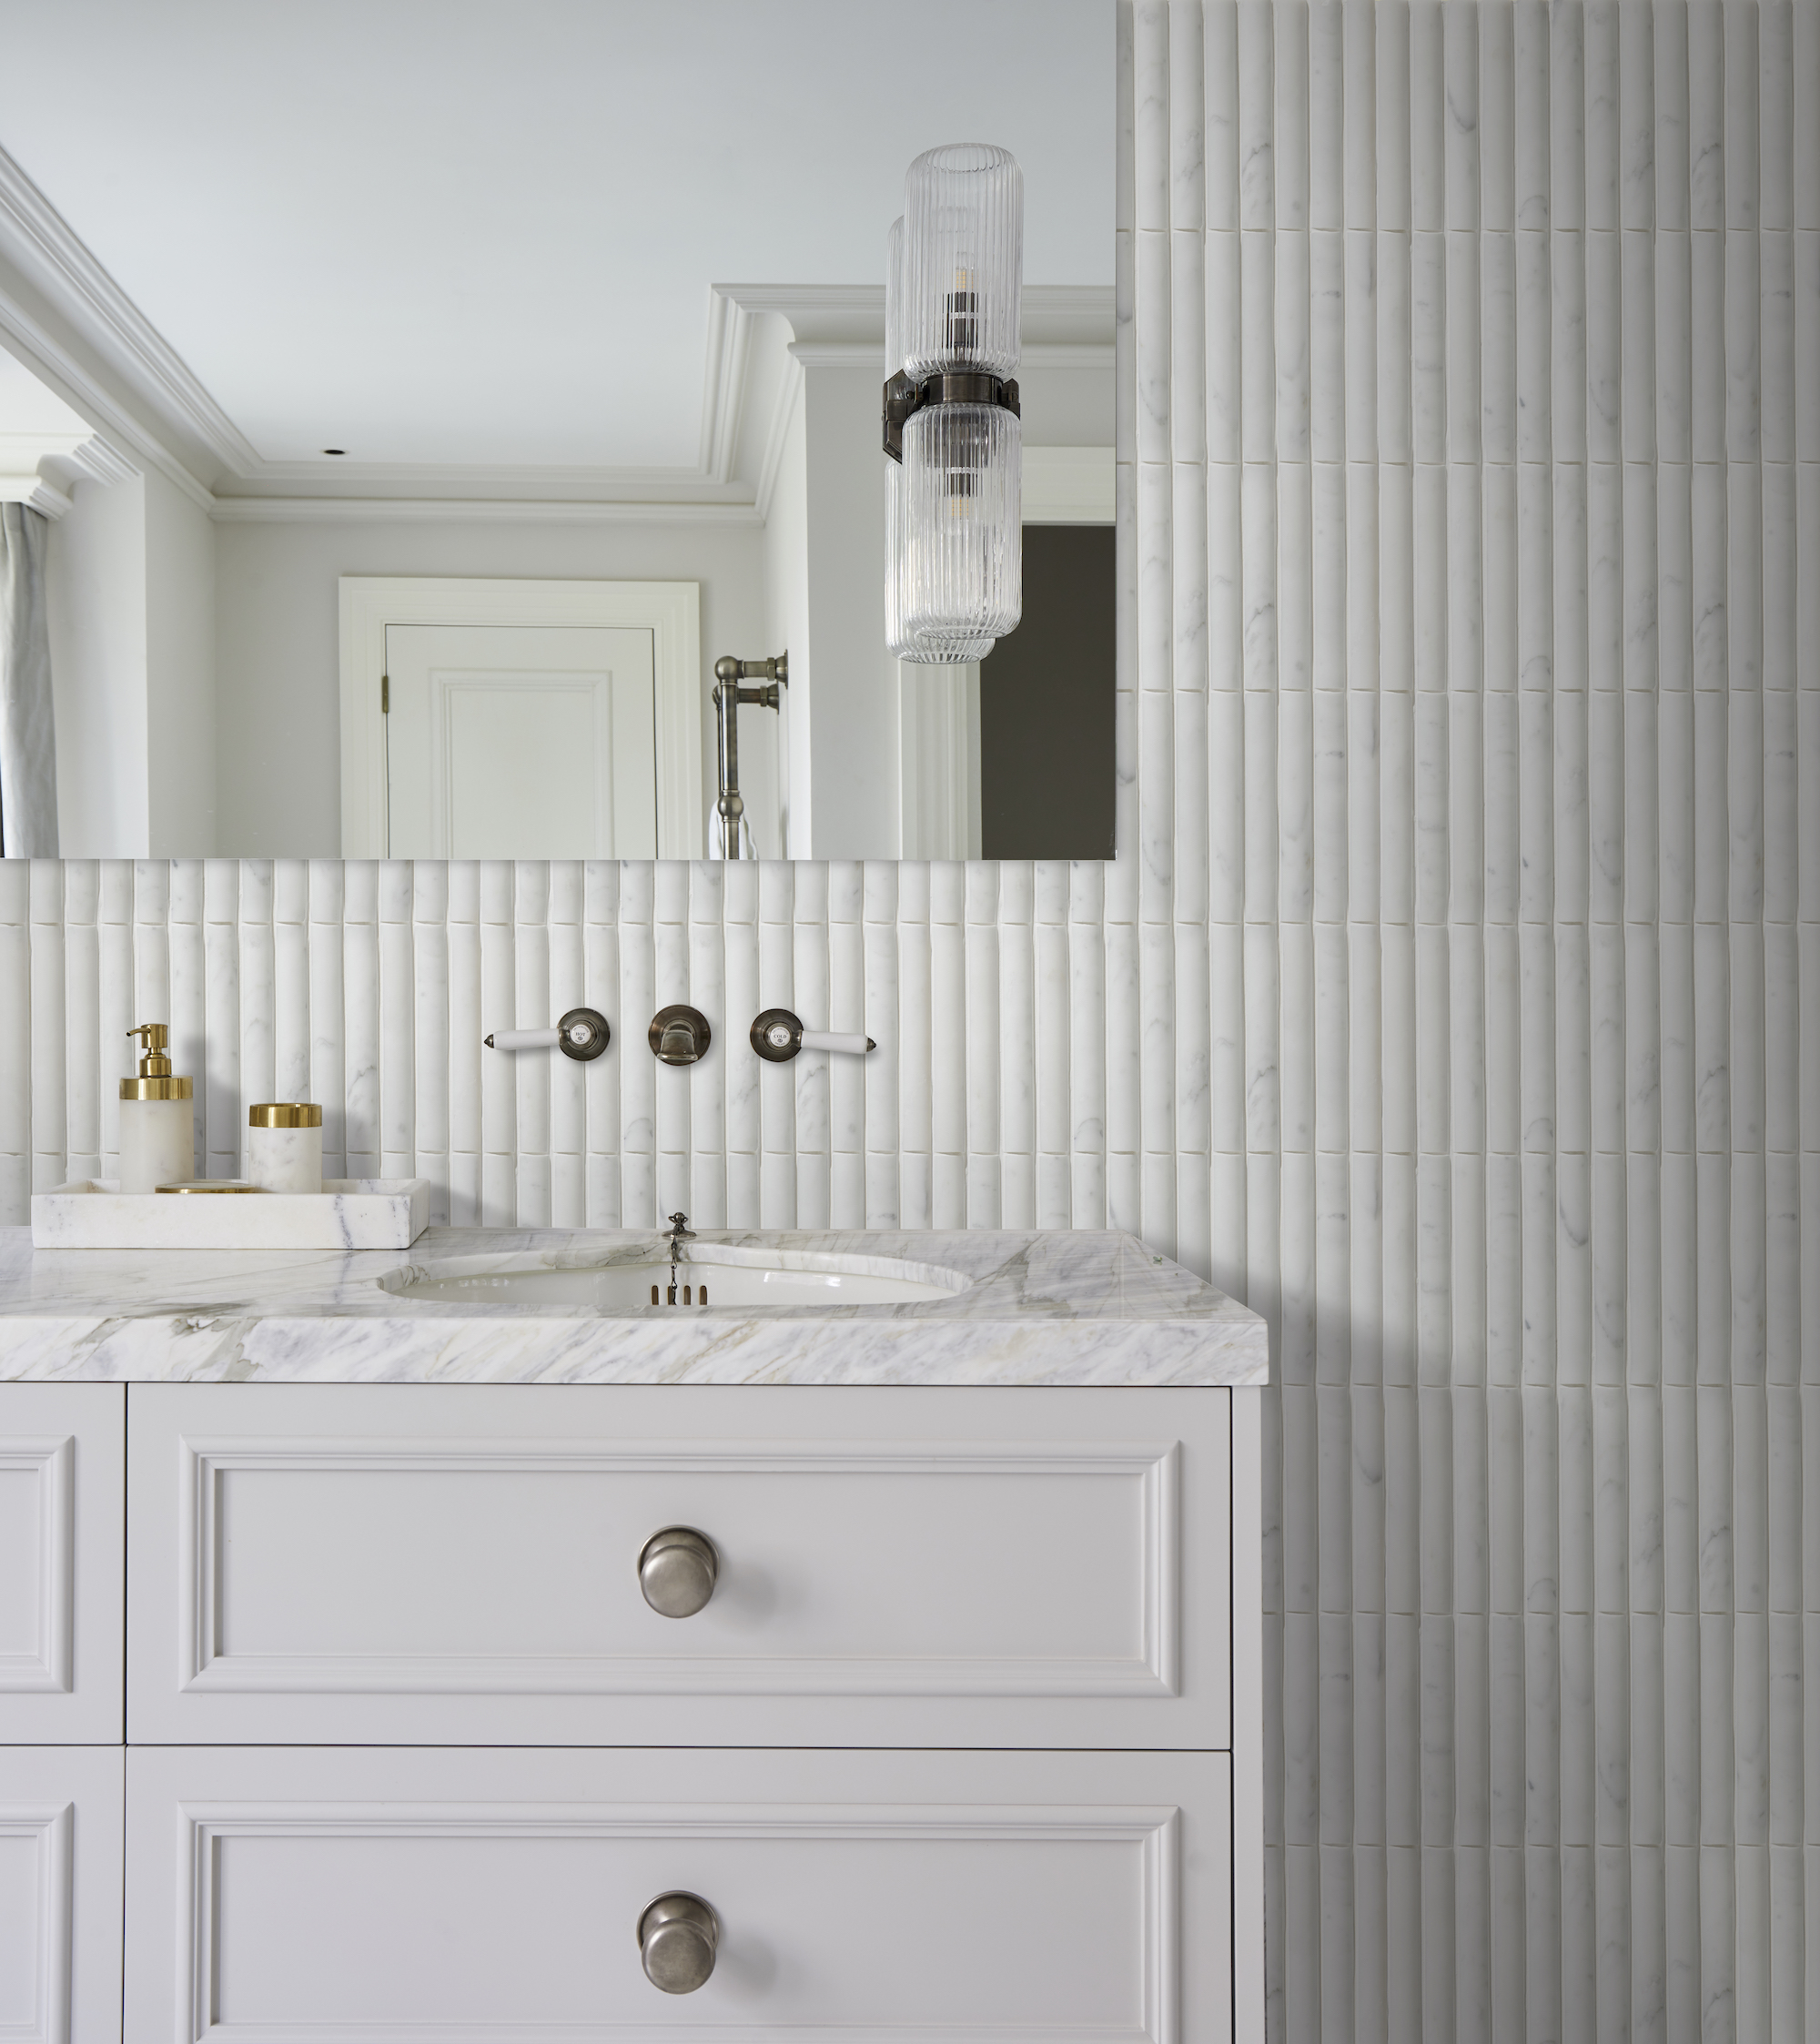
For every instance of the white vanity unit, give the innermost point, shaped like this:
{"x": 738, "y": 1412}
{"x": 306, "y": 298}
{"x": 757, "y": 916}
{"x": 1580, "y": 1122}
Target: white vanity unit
{"x": 957, "y": 1737}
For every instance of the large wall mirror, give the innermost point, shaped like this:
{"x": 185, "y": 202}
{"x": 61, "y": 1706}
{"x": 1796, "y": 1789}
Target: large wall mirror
{"x": 423, "y": 398}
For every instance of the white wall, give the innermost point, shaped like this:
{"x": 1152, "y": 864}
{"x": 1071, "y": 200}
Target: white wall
{"x": 278, "y": 650}
{"x": 96, "y": 578}
{"x": 181, "y": 687}
{"x": 786, "y": 625}
{"x": 131, "y": 577}
{"x": 853, "y": 719}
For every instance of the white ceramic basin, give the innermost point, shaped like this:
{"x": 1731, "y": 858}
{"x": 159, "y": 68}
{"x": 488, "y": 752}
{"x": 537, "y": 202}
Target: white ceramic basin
{"x": 715, "y": 1277}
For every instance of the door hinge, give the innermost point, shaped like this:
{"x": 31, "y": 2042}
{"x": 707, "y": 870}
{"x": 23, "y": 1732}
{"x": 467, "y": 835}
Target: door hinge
{"x": 385, "y": 695}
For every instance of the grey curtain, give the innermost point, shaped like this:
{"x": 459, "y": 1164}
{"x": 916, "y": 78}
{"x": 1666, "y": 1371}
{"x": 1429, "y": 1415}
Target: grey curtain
{"x": 28, "y": 809}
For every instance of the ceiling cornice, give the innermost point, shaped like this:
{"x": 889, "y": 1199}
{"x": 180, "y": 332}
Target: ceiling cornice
{"x": 451, "y": 510}
{"x": 117, "y": 429}
{"x": 37, "y": 236}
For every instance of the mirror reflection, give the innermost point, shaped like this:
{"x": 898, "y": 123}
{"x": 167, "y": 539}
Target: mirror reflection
{"x": 395, "y": 447}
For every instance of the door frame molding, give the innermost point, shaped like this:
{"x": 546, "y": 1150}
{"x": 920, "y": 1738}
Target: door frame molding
{"x": 670, "y": 611}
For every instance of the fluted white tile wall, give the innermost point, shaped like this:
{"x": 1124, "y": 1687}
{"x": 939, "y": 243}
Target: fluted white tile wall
{"x": 369, "y": 986}
{"x": 1447, "y": 1006}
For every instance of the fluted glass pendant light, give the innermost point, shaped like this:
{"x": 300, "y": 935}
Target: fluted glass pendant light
{"x": 951, "y": 406}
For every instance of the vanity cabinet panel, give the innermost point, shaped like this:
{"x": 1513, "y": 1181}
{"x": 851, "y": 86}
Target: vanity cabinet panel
{"x": 458, "y": 1564}
{"x": 377, "y": 1894}
{"x": 451, "y": 1563}
{"x": 62, "y": 1534}
{"x": 62, "y": 1843}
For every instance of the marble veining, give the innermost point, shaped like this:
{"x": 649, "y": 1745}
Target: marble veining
{"x": 1081, "y": 1307}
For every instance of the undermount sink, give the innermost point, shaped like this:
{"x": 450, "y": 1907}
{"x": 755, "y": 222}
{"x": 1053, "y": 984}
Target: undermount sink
{"x": 708, "y": 1275}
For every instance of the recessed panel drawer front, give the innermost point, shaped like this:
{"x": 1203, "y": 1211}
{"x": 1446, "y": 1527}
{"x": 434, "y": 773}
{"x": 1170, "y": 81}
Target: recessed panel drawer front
{"x": 62, "y": 1835}
{"x": 429, "y": 1562}
{"x": 62, "y": 1504}
{"x": 323, "y": 1893}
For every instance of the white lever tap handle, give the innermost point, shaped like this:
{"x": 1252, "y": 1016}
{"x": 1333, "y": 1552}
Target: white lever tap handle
{"x": 835, "y": 1039}
{"x": 525, "y": 1040}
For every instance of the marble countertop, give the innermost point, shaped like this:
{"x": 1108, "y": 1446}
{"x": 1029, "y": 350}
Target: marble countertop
{"x": 1075, "y": 1306}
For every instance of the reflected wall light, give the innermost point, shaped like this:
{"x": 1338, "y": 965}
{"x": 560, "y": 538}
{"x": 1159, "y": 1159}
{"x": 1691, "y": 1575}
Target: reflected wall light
{"x": 954, "y": 557}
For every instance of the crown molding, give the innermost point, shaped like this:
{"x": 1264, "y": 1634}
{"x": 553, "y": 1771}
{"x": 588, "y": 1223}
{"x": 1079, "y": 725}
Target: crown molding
{"x": 455, "y": 511}
{"x": 35, "y": 230}
{"x": 103, "y": 462}
{"x": 490, "y": 481}
{"x": 28, "y": 486}
{"x": 41, "y": 468}
{"x": 117, "y": 427}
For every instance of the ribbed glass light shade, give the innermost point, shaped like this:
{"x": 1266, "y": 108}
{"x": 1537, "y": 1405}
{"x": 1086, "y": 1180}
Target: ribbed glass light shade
{"x": 959, "y": 536}
{"x": 962, "y": 260}
{"x": 962, "y": 532}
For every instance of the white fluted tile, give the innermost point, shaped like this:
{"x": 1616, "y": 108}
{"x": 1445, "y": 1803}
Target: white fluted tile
{"x": 1599, "y": 58}
{"x": 1222, "y": 322}
{"x": 1744, "y": 139}
{"x": 1358, "y": 123}
{"x": 1428, "y": 347}
{"x": 1220, "y": 112}
{"x": 1533, "y": 347}
{"x": 1668, "y": 36}
{"x": 1705, "y": 89}
{"x": 1636, "y": 115}
{"x": 1427, "y": 121}
{"x": 1394, "y": 348}
{"x": 1258, "y": 347}
{"x": 1391, "y": 113}
{"x": 1567, "y": 119}
{"x": 1289, "y": 122}
{"x": 1256, "y": 114}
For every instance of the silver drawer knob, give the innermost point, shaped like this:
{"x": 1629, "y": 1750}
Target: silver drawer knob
{"x": 676, "y": 1939}
{"x": 676, "y": 1572}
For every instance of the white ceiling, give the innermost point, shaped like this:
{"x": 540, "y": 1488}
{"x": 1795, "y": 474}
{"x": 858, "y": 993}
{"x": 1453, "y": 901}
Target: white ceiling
{"x": 459, "y": 231}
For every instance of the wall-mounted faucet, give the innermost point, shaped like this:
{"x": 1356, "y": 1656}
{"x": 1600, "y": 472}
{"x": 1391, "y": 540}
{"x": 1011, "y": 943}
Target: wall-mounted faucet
{"x": 680, "y": 1035}
{"x": 729, "y": 673}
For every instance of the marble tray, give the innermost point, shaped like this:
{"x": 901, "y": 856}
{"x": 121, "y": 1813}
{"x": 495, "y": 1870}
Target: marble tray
{"x": 347, "y": 1214}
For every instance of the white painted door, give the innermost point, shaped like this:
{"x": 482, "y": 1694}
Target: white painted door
{"x": 62, "y": 1562}
{"x": 286, "y": 1892}
{"x": 520, "y": 742}
{"x": 62, "y": 1849}
{"x": 446, "y": 1563}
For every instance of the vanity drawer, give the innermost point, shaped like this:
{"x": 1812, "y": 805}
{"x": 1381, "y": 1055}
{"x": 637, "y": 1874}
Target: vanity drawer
{"x": 430, "y": 1564}
{"x": 357, "y": 1894}
{"x": 62, "y": 1511}
{"x": 62, "y": 1838}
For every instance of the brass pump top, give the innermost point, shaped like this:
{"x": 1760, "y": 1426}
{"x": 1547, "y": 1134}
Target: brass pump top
{"x": 156, "y": 1081}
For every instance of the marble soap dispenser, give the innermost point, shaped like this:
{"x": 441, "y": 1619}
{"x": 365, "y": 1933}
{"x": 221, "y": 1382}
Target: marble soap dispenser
{"x": 157, "y": 1120}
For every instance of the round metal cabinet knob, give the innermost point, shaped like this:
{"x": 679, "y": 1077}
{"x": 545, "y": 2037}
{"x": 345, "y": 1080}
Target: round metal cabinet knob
{"x": 676, "y": 1571}
{"x": 677, "y": 1935}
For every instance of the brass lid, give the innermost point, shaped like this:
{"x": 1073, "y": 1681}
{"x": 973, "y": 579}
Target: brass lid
{"x": 212, "y": 1185}
{"x": 285, "y": 1114}
{"x": 163, "y": 1088}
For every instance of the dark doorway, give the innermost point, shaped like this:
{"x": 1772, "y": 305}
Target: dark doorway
{"x": 1046, "y": 705}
